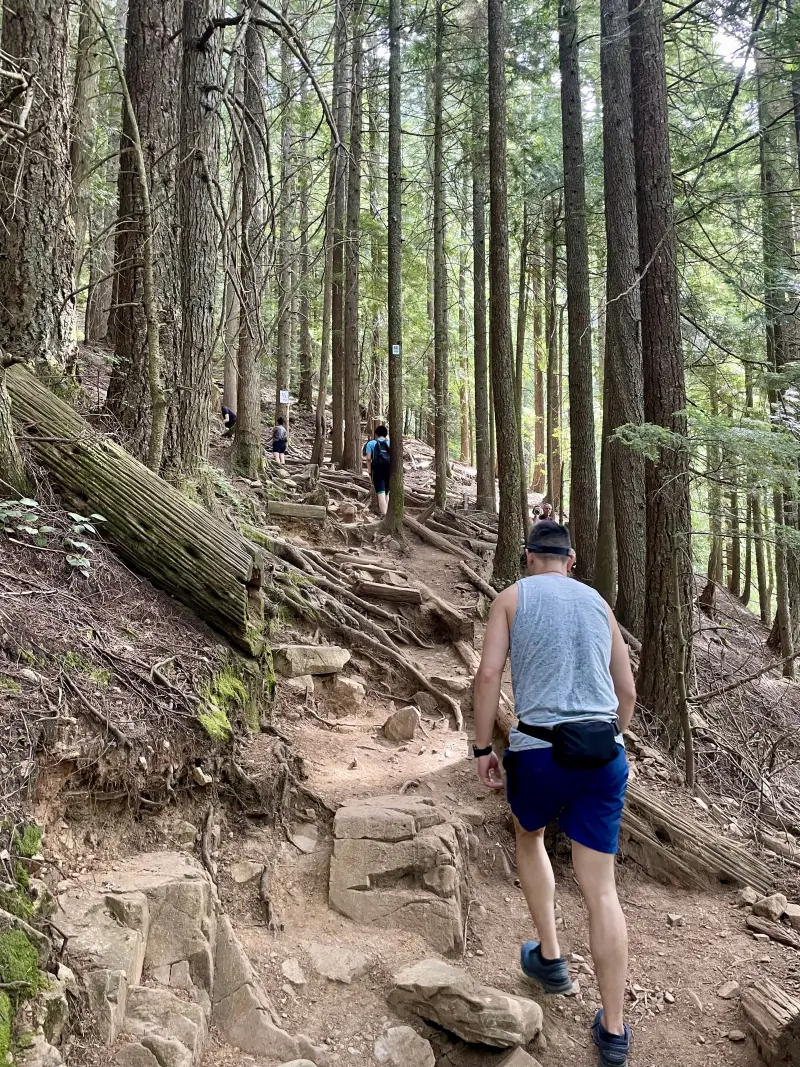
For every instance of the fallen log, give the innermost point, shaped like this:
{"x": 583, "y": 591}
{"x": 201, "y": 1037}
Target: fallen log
{"x": 784, "y": 935}
{"x": 669, "y": 845}
{"x": 436, "y": 540}
{"x": 290, "y": 510}
{"x": 772, "y": 1017}
{"x": 176, "y": 543}
{"x": 479, "y": 583}
{"x": 459, "y": 625}
{"x": 396, "y": 593}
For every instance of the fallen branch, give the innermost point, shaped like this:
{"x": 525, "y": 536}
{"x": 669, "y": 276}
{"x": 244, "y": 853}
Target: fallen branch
{"x": 436, "y": 540}
{"x": 396, "y": 594}
{"x": 703, "y": 698}
{"x": 784, "y": 935}
{"x": 480, "y": 583}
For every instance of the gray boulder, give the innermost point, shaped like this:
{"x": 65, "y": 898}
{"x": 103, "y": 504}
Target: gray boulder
{"x": 452, "y": 999}
{"x": 293, "y": 661}
{"x": 771, "y": 907}
{"x": 403, "y": 1047}
{"x": 402, "y": 725}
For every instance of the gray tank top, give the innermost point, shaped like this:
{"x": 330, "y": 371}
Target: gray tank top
{"x": 560, "y": 656}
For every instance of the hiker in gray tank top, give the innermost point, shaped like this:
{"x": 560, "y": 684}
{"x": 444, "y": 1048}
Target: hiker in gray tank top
{"x": 574, "y": 695}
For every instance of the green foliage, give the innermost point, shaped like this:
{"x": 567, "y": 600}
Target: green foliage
{"x": 6, "y": 1018}
{"x": 28, "y": 842}
{"x": 25, "y": 520}
{"x": 19, "y": 963}
{"x": 228, "y": 695}
{"x": 215, "y": 722}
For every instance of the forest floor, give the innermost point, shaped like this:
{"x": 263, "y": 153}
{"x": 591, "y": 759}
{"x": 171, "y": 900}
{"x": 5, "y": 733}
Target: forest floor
{"x": 676, "y": 967}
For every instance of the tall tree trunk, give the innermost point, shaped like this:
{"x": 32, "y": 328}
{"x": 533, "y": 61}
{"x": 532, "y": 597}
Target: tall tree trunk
{"x": 509, "y": 529}
{"x": 747, "y": 589}
{"x": 605, "y": 560}
{"x": 375, "y": 406}
{"x": 552, "y": 451}
{"x": 483, "y": 452}
{"x": 87, "y": 77}
{"x": 539, "y": 361}
{"x": 734, "y": 536}
{"x": 624, "y": 387}
{"x": 351, "y": 457}
{"x": 778, "y": 251}
{"x": 714, "y": 470}
{"x": 583, "y": 467}
{"x": 519, "y": 370}
{"x": 665, "y": 657}
{"x": 440, "y": 327}
{"x": 305, "y": 390}
{"x": 153, "y": 64}
{"x": 199, "y": 236}
{"x": 286, "y": 251}
{"x": 247, "y": 441}
{"x": 394, "y": 325}
{"x": 342, "y": 95}
{"x": 37, "y": 308}
{"x": 764, "y": 593}
{"x": 463, "y": 332}
{"x": 230, "y": 299}
{"x": 102, "y": 236}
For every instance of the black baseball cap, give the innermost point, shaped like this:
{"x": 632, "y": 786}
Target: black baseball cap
{"x": 549, "y": 538}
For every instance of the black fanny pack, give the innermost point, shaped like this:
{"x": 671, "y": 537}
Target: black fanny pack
{"x": 578, "y": 746}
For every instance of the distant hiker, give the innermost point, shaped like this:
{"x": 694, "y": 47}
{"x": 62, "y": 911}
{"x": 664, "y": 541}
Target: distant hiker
{"x": 545, "y": 513}
{"x": 229, "y": 418}
{"x": 379, "y": 465}
{"x": 279, "y": 437}
{"x": 574, "y": 694}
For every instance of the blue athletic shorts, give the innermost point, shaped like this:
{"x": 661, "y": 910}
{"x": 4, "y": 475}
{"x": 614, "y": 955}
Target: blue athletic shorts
{"x": 587, "y": 804}
{"x": 279, "y": 446}
{"x": 380, "y": 478}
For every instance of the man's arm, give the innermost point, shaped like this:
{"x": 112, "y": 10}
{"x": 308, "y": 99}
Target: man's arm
{"x": 622, "y": 674}
{"x": 487, "y": 685}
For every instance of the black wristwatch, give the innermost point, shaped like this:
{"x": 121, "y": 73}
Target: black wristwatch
{"x": 478, "y": 752}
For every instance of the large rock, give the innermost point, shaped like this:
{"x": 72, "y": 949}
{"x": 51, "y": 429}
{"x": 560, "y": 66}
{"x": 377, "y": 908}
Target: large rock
{"x": 398, "y": 862}
{"x": 519, "y": 1058}
{"x": 771, "y": 907}
{"x": 135, "y": 1055}
{"x": 292, "y": 661}
{"x": 348, "y": 692}
{"x": 241, "y": 1009}
{"x": 453, "y": 1000}
{"x": 160, "y": 1014}
{"x": 402, "y": 725}
{"x": 39, "y": 1054}
{"x": 403, "y": 1047}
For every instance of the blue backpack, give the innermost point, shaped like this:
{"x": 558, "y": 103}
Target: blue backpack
{"x": 381, "y": 453}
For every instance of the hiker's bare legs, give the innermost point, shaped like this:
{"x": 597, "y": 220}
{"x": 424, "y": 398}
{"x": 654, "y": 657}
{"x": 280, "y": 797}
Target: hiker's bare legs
{"x": 383, "y": 503}
{"x": 539, "y": 886}
{"x": 608, "y": 933}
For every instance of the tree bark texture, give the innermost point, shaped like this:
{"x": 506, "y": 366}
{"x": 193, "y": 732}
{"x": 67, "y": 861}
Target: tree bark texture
{"x": 486, "y": 500}
{"x": 305, "y": 389}
{"x": 12, "y": 467}
{"x": 624, "y": 387}
{"x": 87, "y": 71}
{"x": 539, "y": 362}
{"x": 286, "y": 245}
{"x": 153, "y": 61}
{"x": 341, "y": 93}
{"x": 394, "y": 327}
{"x": 37, "y": 308}
{"x": 519, "y": 368}
{"x": 440, "y": 325}
{"x": 506, "y": 559}
{"x": 667, "y": 480}
{"x": 247, "y": 440}
{"x": 351, "y": 457}
{"x": 583, "y": 466}
{"x": 553, "y": 445}
{"x": 463, "y": 330}
{"x": 187, "y": 453}
{"x": 173, "y": 541}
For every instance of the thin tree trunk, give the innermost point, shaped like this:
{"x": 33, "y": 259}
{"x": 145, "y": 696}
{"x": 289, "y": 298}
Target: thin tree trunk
{"x": 734, "y": 536}
{"x": 463, "y": 333}
{"x": 230, "y": 305}
{"x": 605, "y": 560}
{"x": 247, "y": 441}
{"x": 623, "y": 385}
{"x": 320, "y": 422}
{"x": 440, "y": 329}
{"x": 764, "y": 591}
{"x": 199, "y": 169}
{"x": 667, "y": 481}
{"x": 583, "y": 467}
{"x": 747, "y": 589}
{"x": 483, "y": 449}
{"x": 509, "y": 529}
{"x": 37, "y": 308}
{"x": 342, "y": 95}
{"x": 286, "y": 254}
{"x": 87, "y": 71}
{"x": 351, "y": 456}
{"x": 13, "y": 476}
{"x": 552, "y": 450}
{"x": 714, "y": 470}
{"x": 305, "y": 390}
{"x": 394, "y": 326}
{"x": 519, "y": 370}
{"x": 151, "y": 126}
{"x": 539, "y": 361}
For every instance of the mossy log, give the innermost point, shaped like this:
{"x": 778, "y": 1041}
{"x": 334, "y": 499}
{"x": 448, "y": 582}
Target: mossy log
{"x": 158, "y": 531}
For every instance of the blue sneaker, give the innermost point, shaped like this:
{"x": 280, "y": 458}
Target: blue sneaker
{"x": 612, "y": 1048}
{"x": 553, "y": 975}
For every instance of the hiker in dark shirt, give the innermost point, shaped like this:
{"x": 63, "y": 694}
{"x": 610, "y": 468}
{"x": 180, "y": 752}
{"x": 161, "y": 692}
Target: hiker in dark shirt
{"x": 379, "y": 465}
{"x": 279, "y": 437}
{"x": 229, "y": 418}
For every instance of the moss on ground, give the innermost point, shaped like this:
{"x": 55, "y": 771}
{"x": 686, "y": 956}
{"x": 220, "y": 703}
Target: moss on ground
{"x": 215, "y": 723}
{"x": 19, "y": 965}
{"x": 8, "y": 685}
{"x": 6, "y": 1017}
{"x": 28, "y": 842}
{"x": 228, "y": 696}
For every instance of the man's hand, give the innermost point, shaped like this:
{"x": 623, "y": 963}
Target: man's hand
{"x": 489, "y": 771}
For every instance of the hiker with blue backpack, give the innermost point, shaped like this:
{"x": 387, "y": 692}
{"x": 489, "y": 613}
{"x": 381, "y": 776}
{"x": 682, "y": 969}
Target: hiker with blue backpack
{"x": 379, "y": 465}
